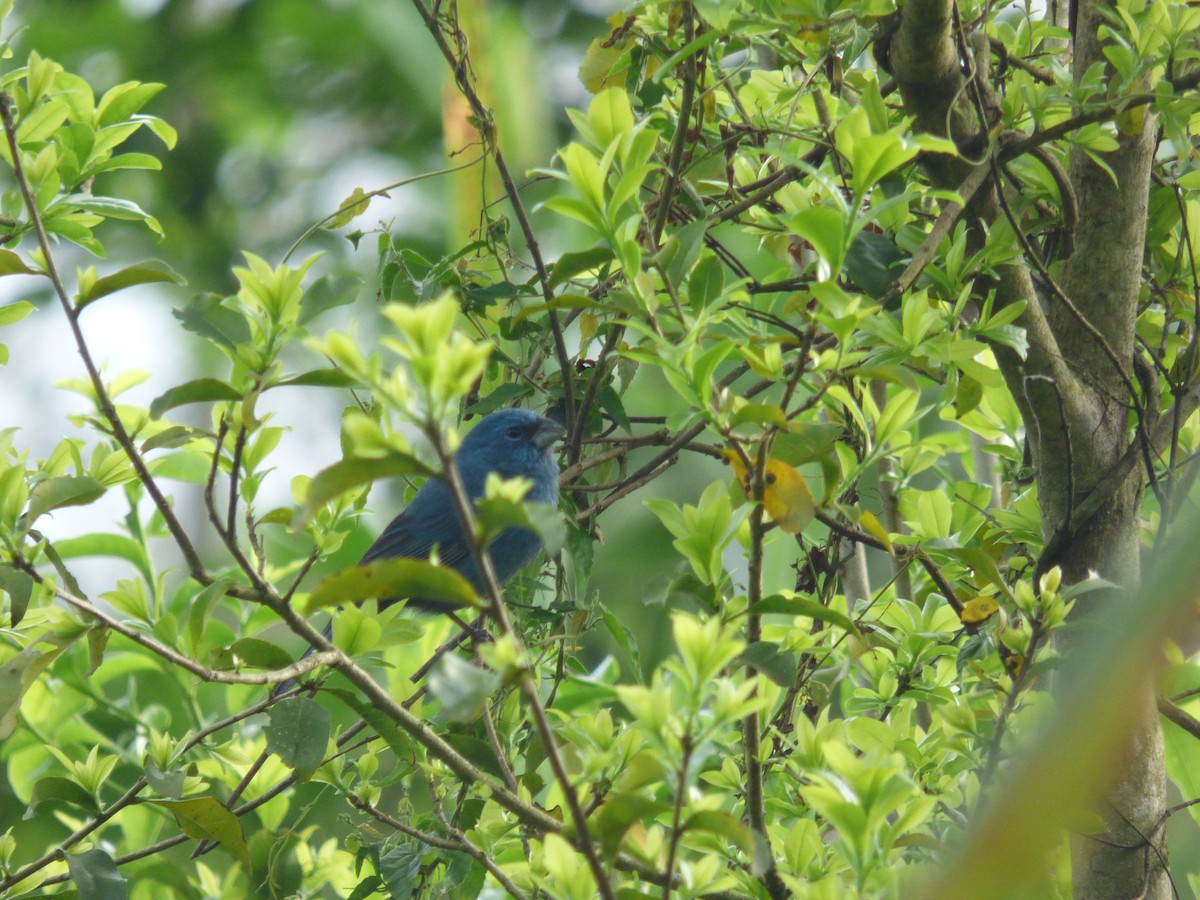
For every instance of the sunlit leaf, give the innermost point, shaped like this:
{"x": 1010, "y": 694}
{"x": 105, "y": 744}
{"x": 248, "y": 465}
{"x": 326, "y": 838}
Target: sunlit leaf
{"x": 388, "y": 578}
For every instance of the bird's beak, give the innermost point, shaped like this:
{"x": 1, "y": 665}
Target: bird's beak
{"x": 547, "y": 433}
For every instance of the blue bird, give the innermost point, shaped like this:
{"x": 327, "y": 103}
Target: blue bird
{"x": 513, "y": 443}
{"x": 510, "y": 442}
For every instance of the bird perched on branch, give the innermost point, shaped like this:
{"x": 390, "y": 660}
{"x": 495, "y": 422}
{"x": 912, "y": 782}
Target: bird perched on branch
{"x": 513, "y": 443}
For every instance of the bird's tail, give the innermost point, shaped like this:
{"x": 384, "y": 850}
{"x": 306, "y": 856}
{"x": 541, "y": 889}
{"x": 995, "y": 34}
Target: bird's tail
{"x": 284, "y": 686}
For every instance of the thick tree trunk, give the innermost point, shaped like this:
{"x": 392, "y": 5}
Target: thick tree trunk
{"x": 1073, "y": 392}
{"x": 1103, "y": 277}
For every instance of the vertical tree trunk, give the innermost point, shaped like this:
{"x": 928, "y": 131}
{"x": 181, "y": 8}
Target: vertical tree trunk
{"x": 1073, "y": 388}
{"x": 1103, "y": 277}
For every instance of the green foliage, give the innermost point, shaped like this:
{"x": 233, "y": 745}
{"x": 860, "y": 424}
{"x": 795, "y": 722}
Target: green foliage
{"x": 719, "y": 271}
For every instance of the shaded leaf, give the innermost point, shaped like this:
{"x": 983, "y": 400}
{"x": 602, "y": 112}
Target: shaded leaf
{"x": 205, "y": 819}
{"x": 206, "y": 316}
{"x": 571, "y": 264}
{"x": 19, "y": 587}
{"x": 618, "y": 814}
{"x": 95, "y": 874}
{"x": 334, "y": 378}
{"x": 870, "y": 262}
{"x": 327, "y": 292}
{"x": 56, "y": 788}
{"x": 380, "y": 723}
{"x": 202, "y": 390}
{"x": 768, "y": 658}
{"x": 166, "y": 784}
{"x": 298, "y": 733}
{"x": 724, "y": 826}
{"x": 802, "y": 606}
{"x": 478, "y": 752}
{"x": 12, "y": 264}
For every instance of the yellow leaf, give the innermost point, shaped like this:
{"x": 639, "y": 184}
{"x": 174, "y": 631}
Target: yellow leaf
{"x": 872, "y": 526}
{"x": 978, "y": 609}
{"x": 787, "y": 500}
{"x": 589, "y": 324}
{"x": 1130, "y": 120}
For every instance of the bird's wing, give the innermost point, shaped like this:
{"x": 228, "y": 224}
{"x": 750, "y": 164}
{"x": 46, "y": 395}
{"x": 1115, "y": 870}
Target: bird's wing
{"x": 430, "y": 521}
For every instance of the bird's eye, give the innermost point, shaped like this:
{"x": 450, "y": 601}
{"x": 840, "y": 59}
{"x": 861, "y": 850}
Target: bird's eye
{"x": 514, "y": 432}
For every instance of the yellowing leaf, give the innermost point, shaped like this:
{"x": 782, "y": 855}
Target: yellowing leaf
{"x": 872, "y": 526}
{"x": 978, "y": 609}
{"x": 351, "y": 208}
{"x": 589, "y": 324}
{"x": 1129, "y": 121}
{"x": 788, "y": 501}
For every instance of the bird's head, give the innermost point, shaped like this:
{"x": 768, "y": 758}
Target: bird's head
{"x": 512, "y": 442}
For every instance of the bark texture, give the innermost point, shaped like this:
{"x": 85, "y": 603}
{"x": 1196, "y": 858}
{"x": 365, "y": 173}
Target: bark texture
{"x": 1072, "y": 388}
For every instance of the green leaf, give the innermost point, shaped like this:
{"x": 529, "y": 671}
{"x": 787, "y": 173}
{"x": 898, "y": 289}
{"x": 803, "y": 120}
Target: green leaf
{"x": 206, "y": 316}
{"x": 351, "y": 473}
{"x": 706, "y": 283}
{"x": 334, "y": 378}
{"x": 349, "y": 209}
{"x": 870, "y": 261}
{"x": 15, "y": 312}
{"x": 118, "y": 546}
{"x": 571, "y": 264}
{"x": 56, "y": 788}
{"x": 128, "y": 161}
{"x": 110, "y": 208}
{"x": 165, "y": 784}
{"x": 400, "y": 869}
{"x": 19, "y": 587}
{"x": 388, "y": 578}
{"x": 328, "y": 292}
{"x": 95, "y": 874}
{"x": 122, "y": 101}
{"x": 66, "y": 490}
{"x": 11, "y": 264}
{"x": 627, "y": 641}
{"x": 461, "y": 688}
{"x": 724, "y": 826}
{"x": 802, "y": 606}
{"x": 261, "y": 654}
{"x": 768, "y": 658}
{"x": 202, "y": 390}
{"x": 498, "y": 513}
{"x": 478, "y": 752}
{"x": 172, "y": 437}
{"x": 200, "y": 606}
{"x": 17, "y": 675}
{"x": 205, "y": 819}
{"x": 150, "y": 271}
{"x": 617, "y": 816}
{"x": 503, "y": 396}
{"x": 298, "y": 733}
{"x": 825, "y": 229}
{"x": 383, "y": 726}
